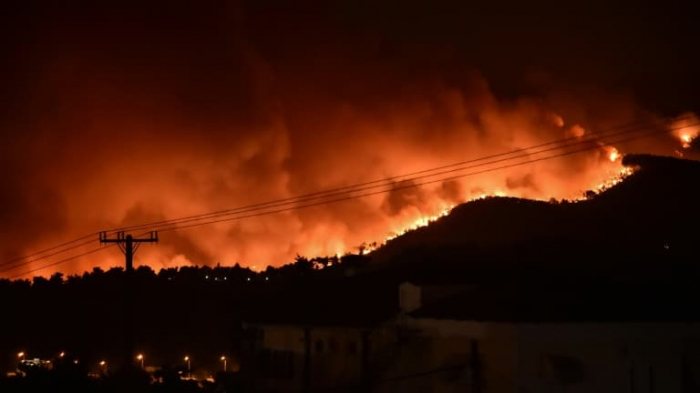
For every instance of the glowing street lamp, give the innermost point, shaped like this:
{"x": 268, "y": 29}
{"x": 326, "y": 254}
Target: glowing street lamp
{"x": 223, "y": 360}
{"x": 187, "y": 359}
{"x": 20, "y": 356}
{"x": 103, "y": 366}
{"x": 140, "y": 358}
{"x": 62, "y": 354}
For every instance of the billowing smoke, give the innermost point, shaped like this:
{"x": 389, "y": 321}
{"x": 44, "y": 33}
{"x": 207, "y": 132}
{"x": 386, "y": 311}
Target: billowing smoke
{"x": 114, "y": 119}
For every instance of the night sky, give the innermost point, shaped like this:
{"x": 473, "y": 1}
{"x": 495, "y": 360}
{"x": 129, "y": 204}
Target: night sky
{"x": 117, "y": 113}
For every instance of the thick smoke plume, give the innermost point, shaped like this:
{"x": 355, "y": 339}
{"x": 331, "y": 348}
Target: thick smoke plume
{"x": 113, "y": 119}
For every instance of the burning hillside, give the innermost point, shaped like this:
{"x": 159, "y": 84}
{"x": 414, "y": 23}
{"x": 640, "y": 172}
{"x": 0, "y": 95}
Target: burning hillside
{"x": 247, "y": 107}
{"x": 650, "y": 214}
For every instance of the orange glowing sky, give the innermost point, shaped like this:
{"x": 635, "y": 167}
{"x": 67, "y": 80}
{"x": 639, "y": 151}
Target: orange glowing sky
{"x": 117, "y": 118}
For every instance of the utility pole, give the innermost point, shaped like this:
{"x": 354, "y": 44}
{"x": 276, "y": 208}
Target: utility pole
{"x": 129, "y": 245}
{"x": 306, "y": 376}
{"x": 476, "y": 367}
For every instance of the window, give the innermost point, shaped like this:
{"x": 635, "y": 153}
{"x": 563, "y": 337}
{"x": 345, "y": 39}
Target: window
{"x": 277, "y": 364}
{"x": 566, "y": 369}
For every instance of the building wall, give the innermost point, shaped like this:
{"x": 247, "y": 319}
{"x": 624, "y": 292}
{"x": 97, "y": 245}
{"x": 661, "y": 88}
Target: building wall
{"x": 425, "y": 355}
{"x": 340, "y": 357}
{"x": 571, "y": 358}
{"x": 279, "y": 359}
{"x": 448, "y": 356}
{"x": 336, "y": 358}
{"x": 595, "y": 357}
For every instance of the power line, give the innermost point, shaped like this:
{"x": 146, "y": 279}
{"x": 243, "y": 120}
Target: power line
{"x": 176, "y": 223}
{"x": 167, "y": 229}
{"x": 59, "y": 262}
{"x": 46, "y": 256}
{"x": 330, "y": 193}
{"x": 413, "y": 185}
{"x": 393, "y": 188}
{"x": 17, "y": 259}
{"x": 361, "y": 186}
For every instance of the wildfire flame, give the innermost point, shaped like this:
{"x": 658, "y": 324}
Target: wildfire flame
{"x": 419, "y": 223}
{"x": 234, "y": 118}
{"x": 613, "y": 154}
{"x": 687, "y": 138}
{"x": 337, "y": 229}
{"x": 615, "y": 179}
{"x": 686, "y": 130}
{"x": 423, "y": 221}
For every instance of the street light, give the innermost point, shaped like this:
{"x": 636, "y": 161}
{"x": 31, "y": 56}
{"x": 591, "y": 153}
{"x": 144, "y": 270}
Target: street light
{"x": 62, "y": 354}
{"x": 140, "y": 358}
{"x": 103, "y": 366}
{"x": 187, "y": 359}
{"x": 20, "y": 357}
{"x": 223, "y": 360}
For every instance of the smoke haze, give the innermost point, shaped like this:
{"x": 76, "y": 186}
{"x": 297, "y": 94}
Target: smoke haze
{"x": 120, "y": 115}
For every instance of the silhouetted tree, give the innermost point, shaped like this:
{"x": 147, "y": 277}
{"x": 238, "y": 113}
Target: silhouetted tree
{"x": 302, "y": 265}
{"x": 56, "y": 279}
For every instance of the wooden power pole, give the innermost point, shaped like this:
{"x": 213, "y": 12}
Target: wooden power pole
{"x": 128, "y": 244}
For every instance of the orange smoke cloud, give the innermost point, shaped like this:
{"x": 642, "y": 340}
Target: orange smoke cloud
{"x": 164, "y": 132}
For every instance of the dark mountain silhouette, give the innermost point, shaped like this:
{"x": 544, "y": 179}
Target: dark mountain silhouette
{"x": 629, "y": 253}
{"x": 654, "y": 212}
{"x": 625, "y": 254}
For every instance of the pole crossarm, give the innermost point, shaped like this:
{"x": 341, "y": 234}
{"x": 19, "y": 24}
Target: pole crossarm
{"x": 120, "y": 237}
{"x": 128, "y": 244}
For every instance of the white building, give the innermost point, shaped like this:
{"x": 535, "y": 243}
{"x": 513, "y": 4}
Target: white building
{"x": 454, "y": 339}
